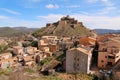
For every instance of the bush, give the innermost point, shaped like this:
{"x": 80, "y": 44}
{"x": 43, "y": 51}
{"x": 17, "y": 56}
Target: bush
{"x": 5, "y": 71}
{"x": 34, "y": 44}
{"x": 29, "y": 70}
{"x": 47, "y": 60}
{"x": 3, "y": 48}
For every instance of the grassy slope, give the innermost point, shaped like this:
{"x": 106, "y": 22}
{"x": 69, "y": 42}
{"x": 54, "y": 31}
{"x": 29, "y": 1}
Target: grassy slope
{"x": 63, "y": 30}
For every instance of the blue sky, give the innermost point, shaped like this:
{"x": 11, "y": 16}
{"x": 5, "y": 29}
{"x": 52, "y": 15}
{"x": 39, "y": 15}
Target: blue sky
{"x": 36, "y": 13}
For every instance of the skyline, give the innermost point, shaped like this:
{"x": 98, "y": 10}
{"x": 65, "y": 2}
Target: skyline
{"x": 36, "y": 13}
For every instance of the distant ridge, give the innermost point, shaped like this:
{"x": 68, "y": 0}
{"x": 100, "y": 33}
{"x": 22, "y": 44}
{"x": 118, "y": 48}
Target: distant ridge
{"x": 14, "y": 31}
{"x": 66, "y": 26}
{"x": 104, "y": 31}
{"x": 7, "y": 31}
{"x": 25, "y": 29}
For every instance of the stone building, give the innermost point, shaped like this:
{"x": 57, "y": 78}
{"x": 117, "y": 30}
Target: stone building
{"x": 6, "y": 55}
{"x": 17, "y": 50}
{"x": 78, "y": 60}
{"x": 48, "y": 41}
{"x": 30, "y": 50}
{"x": 108, "y": 54}
{"x": 53, "y": 47}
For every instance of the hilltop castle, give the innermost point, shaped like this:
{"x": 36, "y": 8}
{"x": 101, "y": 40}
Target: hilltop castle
{"x": 64, "y": 21}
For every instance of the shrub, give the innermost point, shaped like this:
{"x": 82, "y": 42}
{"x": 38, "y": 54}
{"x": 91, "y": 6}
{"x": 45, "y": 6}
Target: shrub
{"x": 29, "y": 70}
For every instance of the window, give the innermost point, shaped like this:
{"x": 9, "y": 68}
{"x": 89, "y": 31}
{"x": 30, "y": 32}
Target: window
{"x": 104, "y": 49}
{"x": 105, "y": 56}
{"x": 102, "y": 65}
{"x": 102, "y": 61}
{"x": 74, "y": 58}
{"x": 74, "y": 64}
{"x": 111, "y": 57}
{"x": 109, "y": 63}
{"x": 77, "y": 59}
{"x": 117, "y": 56}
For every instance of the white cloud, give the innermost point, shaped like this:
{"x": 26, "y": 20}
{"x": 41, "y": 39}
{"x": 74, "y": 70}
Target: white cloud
{"x": 52, "y": 6}
{"x": 26, "y": 23}
{"x": 73, "y": 6}
{"x": 3, "y": 17}
{"x": 105, "y": 22}
{"x": 92, "y": 1}
{"x": 106, "y": 2}
{"x": 28, "y": 3}
{"x": 13, "y": 22}
{"x": 33, "y": 0}
{"x": 51, "y": 17}
{"x": 107, "y": 10}
{"x": 109, "y": 6}
{"x": 10, "y": 11}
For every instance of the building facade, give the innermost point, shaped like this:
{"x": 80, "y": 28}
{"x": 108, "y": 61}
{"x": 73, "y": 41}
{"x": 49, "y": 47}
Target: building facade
{"x": 108, "y": 53}
{"x": 78, "y": 60}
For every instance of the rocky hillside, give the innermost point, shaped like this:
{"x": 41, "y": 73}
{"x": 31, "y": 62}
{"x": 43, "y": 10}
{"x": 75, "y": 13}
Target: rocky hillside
{"x": 66, "y": 26}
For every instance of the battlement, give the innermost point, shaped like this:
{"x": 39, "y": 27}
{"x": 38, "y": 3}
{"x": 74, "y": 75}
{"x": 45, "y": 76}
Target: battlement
{"x": 65, "y": 20}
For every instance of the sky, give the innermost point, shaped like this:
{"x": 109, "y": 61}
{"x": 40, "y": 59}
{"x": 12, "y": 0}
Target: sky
{"x": 104, "y": 14}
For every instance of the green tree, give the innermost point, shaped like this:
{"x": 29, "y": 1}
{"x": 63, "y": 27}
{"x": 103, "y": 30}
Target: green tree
{"x": 34, "y": 43}
{"x": 3, "y": 48}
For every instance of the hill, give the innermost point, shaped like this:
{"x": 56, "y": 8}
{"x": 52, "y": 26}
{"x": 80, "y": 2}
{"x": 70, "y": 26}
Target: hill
{"x": 104, "y": 31}
{"x": 25, "y": 29}
{"x": 65, "y": 27}
{"x": 15, "y": 31}
{"x": 7, "y": 31}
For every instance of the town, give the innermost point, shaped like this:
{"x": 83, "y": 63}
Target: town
{"x": 93, "y": 54}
